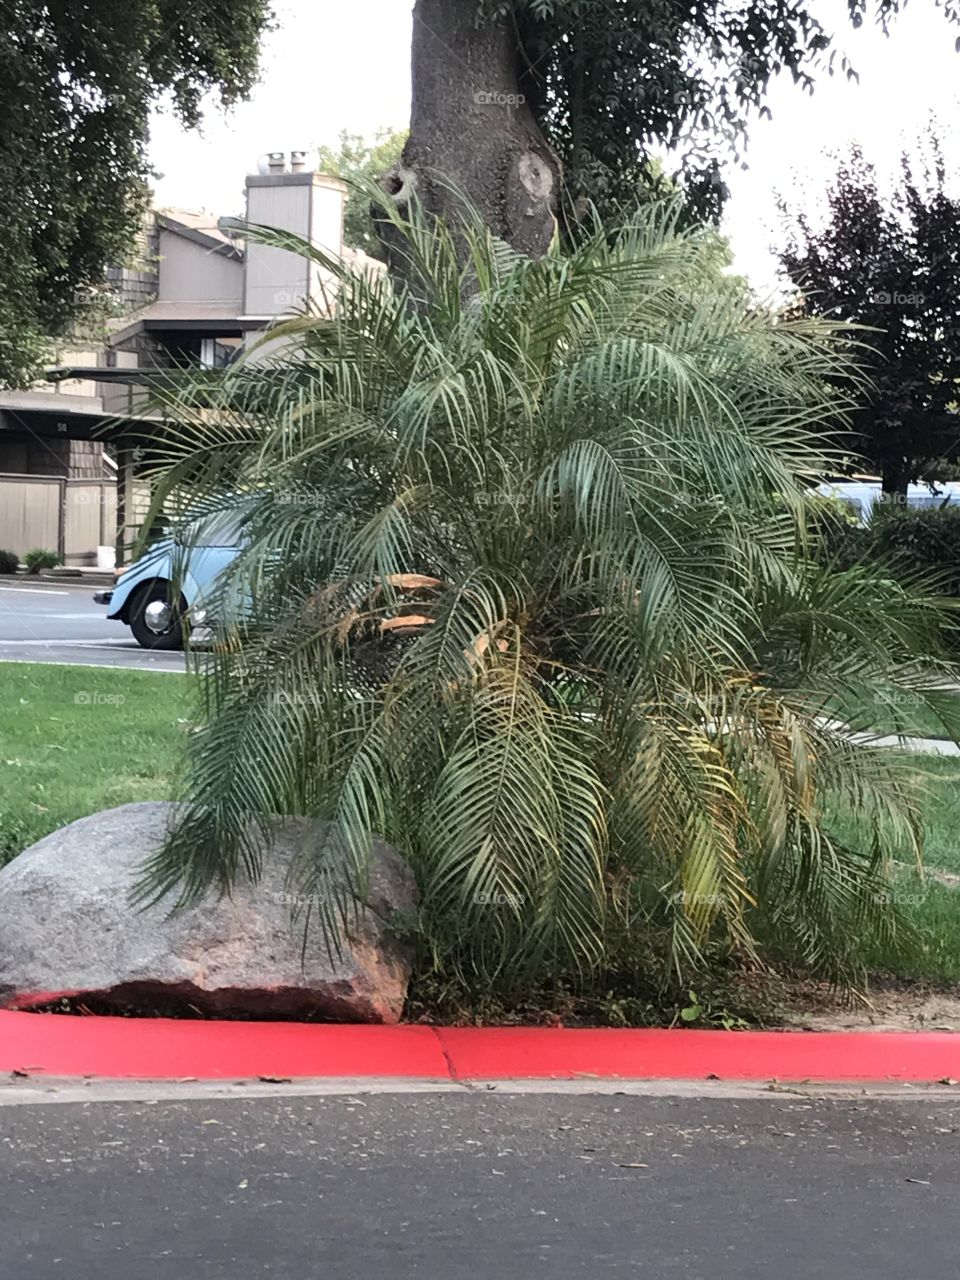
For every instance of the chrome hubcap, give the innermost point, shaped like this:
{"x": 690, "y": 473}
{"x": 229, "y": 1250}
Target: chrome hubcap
{"x": 157, "y": 617}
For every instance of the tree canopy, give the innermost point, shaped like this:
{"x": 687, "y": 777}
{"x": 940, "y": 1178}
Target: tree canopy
{"x": 892, "y": 263}
{"x": 365, "y": 160}
{"x": 76, "y": 89}
{"x": 539, "y": 108}
{"x": 611, "y": 82}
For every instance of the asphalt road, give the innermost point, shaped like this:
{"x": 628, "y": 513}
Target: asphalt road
{"x": 59, "y": 622}
{"x": 481, "y": 1186}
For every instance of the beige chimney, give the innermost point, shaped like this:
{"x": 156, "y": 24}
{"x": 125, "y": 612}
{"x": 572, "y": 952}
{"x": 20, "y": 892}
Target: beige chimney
{"x": 277, "y": 282}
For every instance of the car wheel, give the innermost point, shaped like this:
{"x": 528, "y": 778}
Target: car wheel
{"x": 156, "y": 618}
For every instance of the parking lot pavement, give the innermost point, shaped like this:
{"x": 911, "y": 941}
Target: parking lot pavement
{"x": 480, "y": 1186}
{"x": 44, "y": 621}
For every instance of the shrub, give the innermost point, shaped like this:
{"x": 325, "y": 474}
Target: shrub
{"x": 911, "y": 543}
{"x": 837, "y": 539}
{"x": 524, "y": 597}
{"x": 9, "y": 561}
{"x": 924, "y": 542}
{"x": 39, "y": 559}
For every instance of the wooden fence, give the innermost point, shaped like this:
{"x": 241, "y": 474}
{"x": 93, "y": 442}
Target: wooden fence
{"x": 71, "y": 517}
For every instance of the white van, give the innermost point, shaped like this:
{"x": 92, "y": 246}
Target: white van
{"x": 863, "y": 495}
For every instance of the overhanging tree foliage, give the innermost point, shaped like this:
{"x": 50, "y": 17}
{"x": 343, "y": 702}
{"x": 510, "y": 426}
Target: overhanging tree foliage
{"x": 892, "y": 263}
{"x": 530, "y": 105}
{"x": 356, "y": 158}
{"x": 76, "y": 87}
{"x": 524, "y": 595}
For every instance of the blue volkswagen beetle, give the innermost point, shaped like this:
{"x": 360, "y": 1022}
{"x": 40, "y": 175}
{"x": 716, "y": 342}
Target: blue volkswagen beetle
{"x": 173, "y": 581}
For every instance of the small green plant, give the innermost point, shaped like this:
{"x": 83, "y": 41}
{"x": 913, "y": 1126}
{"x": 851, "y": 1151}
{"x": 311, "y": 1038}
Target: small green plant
{"x": 700, "y": 1011}
{"x": 39, "y": 559}
{"x": 9, "y": 561}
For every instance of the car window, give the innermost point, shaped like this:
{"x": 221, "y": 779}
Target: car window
{"x": 222, "y": 529}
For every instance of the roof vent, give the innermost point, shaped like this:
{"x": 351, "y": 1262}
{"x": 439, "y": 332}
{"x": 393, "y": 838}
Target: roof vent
{"x": 273, "y": 162}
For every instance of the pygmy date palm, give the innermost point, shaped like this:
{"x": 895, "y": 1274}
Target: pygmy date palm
{"x": 526, "y": 593}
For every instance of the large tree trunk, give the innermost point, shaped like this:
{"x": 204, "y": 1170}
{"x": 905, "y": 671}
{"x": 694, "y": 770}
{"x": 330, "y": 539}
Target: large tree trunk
{"x": 471, "y": 127}
{"x": 895, "y": 479}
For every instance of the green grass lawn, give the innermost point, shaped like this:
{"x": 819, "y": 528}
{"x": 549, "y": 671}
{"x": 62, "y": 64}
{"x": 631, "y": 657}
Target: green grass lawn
{"x": 932, "y": 907}
{"x": 77, "y": 739}
{"x": 939, "y": 777}
{"x": 899, "y": 713}
{"x": 934, "y": 910}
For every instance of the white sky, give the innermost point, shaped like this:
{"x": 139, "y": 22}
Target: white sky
{"x": 332, "y": 65}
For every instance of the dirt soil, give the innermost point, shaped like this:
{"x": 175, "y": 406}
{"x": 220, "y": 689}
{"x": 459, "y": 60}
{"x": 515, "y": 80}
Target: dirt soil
{"x": 890, "y": 1005}
{"x": 764, "y": 1000}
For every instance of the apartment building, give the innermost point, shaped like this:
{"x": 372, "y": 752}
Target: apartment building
{"x": 72, "y": 448}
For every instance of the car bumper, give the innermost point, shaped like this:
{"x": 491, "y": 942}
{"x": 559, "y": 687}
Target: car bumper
{"x": 102, "y": 597}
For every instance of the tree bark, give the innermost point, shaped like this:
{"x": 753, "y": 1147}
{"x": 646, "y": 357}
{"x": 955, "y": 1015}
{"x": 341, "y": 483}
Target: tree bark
{"x": 471, "y": 127}
{"x": 895, "y": 479}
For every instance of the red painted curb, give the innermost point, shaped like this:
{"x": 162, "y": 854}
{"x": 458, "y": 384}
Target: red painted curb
{"x": 163, "y": 1048}
{"x": 522, "y": 1052}
{"x": 159, "y": 1048}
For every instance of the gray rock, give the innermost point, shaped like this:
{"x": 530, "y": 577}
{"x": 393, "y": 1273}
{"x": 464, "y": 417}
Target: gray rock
{"x": 67, "y": 928}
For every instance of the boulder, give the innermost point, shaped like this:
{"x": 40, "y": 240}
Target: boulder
{"x": 68, "y": 929}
